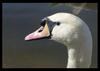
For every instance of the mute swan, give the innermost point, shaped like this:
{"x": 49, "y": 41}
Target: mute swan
{"x": 71, "y": 31}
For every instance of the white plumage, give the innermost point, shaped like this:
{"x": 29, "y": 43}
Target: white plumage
{"x": 75, "y": 34}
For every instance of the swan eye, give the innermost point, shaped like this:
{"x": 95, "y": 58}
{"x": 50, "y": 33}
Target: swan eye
{"x": 58, "y": 23}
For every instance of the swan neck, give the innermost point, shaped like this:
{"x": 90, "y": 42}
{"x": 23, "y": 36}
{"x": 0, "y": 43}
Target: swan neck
{"x": 72, "y": 58}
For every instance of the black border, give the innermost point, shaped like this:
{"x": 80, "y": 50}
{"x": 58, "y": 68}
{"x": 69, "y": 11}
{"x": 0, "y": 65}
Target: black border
{"x": 46, "y": 1}
{"x": 43, "y": 1}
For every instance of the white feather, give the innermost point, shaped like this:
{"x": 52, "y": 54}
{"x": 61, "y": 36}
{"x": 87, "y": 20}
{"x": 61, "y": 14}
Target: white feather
{"x": 75, "y": 34}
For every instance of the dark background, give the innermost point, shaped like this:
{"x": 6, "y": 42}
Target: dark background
{"x": 20, "y": 19}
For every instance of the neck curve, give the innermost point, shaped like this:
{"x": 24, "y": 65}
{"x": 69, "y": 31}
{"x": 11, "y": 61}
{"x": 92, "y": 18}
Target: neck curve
{"x": 73, "y": 58}
{"x": 78, "y": 57}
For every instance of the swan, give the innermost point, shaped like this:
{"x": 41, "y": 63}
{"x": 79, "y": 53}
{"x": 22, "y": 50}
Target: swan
{"x": 70, "y": 30}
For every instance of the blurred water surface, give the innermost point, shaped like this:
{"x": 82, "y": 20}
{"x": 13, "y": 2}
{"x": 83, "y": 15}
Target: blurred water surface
{"x": 20, "y": 19}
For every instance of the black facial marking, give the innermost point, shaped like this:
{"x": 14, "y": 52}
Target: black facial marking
{"x": 51, "y": 25}
{"x": 43, "y": 23}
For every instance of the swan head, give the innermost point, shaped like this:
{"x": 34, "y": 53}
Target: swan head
{"x": 60, "y": 27}
{"x": 71, "y": 31}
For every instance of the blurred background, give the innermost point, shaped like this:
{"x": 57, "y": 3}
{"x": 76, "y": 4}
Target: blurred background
{"x": 20, "y": 19}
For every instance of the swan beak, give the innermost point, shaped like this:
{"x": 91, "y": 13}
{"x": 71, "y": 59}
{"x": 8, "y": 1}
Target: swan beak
{"x": 42, "y": 32}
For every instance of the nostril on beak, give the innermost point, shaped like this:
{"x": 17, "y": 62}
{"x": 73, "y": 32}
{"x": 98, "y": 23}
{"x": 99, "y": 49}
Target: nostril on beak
{"x": 40, "y": 31}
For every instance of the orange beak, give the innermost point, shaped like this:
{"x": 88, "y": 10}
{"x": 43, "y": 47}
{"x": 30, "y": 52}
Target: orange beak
{"x": 39, "y": 33}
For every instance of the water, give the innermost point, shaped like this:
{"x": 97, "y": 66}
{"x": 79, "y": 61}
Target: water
{"x": 20, "y": 19}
